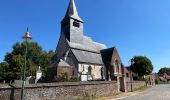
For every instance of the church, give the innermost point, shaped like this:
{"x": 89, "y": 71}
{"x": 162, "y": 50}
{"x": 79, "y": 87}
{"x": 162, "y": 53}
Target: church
{"x": 78, "y": 55}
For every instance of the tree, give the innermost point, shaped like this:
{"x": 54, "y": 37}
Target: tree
{"x": 14, "y": 61}
{"x": 142, "y": 65}
{"x": 164, "y": 70}
{"x": 3, "y": 68}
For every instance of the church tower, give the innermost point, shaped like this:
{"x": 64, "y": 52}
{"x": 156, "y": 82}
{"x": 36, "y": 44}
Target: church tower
{"x": 72, "y": 24}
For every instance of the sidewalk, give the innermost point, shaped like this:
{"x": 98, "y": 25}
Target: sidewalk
{"x": 123, "y": 95}
{"x": 118, "y": 96}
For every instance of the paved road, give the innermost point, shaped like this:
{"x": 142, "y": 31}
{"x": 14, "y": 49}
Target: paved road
{"x": 159, "y": 92}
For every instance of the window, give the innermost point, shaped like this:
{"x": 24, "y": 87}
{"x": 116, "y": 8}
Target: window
{"x": 89, "y": 70}
{"x": 76, "y": 24}
{"x": 116, "y": 66}
{"x": 127, "y": 75}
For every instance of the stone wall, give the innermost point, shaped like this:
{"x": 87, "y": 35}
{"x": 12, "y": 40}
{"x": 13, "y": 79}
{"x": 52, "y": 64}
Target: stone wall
{"x": 61, "y": 91}
{"x": 135, "y": 85}
{"x": 64, "y": 91}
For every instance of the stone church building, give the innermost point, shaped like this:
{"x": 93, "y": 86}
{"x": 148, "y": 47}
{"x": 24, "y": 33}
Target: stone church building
{"x": 82, "y": 54}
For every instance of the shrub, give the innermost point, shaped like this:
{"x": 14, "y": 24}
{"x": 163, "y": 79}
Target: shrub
{"x": 74, "y": 79}
{"x": 64, "y": 78}
{"x": 157, "y": 81}
{"x": 136, "y": 76}
{"x": 61, "y": 78}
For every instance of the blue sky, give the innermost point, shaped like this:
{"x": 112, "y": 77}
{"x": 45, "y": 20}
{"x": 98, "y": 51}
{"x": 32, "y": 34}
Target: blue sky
{"x": 135, "y": 27}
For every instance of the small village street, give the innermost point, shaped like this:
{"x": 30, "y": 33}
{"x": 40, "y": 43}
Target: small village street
{"x": 159, "y": 92}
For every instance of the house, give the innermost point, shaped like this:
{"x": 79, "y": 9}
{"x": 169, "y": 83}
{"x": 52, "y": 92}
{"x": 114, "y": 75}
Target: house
{"x": 88, "y": 58}
{"x": 164, "y": 77}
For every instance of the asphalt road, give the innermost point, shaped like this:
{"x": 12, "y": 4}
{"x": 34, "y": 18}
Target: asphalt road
{"x": 159, "y": 92}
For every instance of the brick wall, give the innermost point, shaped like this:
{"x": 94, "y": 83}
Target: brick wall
{"x": 135, "y": 85}
{"x": 60, "y": 91}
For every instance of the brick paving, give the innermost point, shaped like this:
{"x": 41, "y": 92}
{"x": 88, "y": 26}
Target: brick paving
{"x": 159, "y": 92}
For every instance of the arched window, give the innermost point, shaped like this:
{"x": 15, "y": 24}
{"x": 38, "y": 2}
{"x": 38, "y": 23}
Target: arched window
{"x": 116, "y": 66}
{"x": 90, "y": 70}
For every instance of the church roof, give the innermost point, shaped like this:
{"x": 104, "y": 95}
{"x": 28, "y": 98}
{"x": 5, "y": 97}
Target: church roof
{"x": 87, "y": 44}
{"x": 107, "y": 54}
{"x": 87, "y": 51}
{"x": 110, "y": 54}
{"x": 84, "y": 56}
{"x": 72, "y": 11}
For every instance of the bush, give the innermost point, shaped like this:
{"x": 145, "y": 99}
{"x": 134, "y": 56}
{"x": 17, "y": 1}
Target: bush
{"x": 61, "y": 78}
{"x": 157, "y": 81}
{"x": 74, "y": 79}
{"x": 64, "y": 78}
{"x": 136, "y": 76}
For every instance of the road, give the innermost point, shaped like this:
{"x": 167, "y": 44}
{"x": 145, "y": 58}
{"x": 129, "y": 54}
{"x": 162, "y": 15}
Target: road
{"x": 159, "y": 92}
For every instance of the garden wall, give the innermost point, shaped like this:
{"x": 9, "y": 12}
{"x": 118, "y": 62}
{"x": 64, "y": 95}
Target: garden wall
{"x": 135, "y": 85}
{"x": 60, "y": 91}
{"x": 64, "y": 91}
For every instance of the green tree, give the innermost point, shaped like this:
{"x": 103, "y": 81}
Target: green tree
{"x": 142, "y": 65}
{"x": 3, "y": 68}
{"x": 164, "y": 70}
{"x": 14, "y": 61}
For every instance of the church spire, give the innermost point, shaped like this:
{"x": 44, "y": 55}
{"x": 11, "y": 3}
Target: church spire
{"x": 72, "y": 11}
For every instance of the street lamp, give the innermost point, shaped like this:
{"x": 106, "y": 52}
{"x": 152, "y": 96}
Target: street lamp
{"x": 26, "y": 37}
{"x": 131, "y": 79}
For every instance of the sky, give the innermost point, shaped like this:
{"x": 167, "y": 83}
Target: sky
{"x": 134, "y": 27}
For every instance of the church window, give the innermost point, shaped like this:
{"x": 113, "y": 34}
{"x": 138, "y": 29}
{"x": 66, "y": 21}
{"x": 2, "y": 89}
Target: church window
{"x": 90, "y": 70}
{"x": 116, "y": 66}
{"x": 76, "y": 24}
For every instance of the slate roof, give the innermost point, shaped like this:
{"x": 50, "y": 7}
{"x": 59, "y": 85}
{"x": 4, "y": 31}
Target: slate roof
{"x": 107, "y": 54}
{"x": 87, "y": 56}
{"x": 72, "y": 11}
{"x": 87, "y": 44}
{"x": 87, "y": 51}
